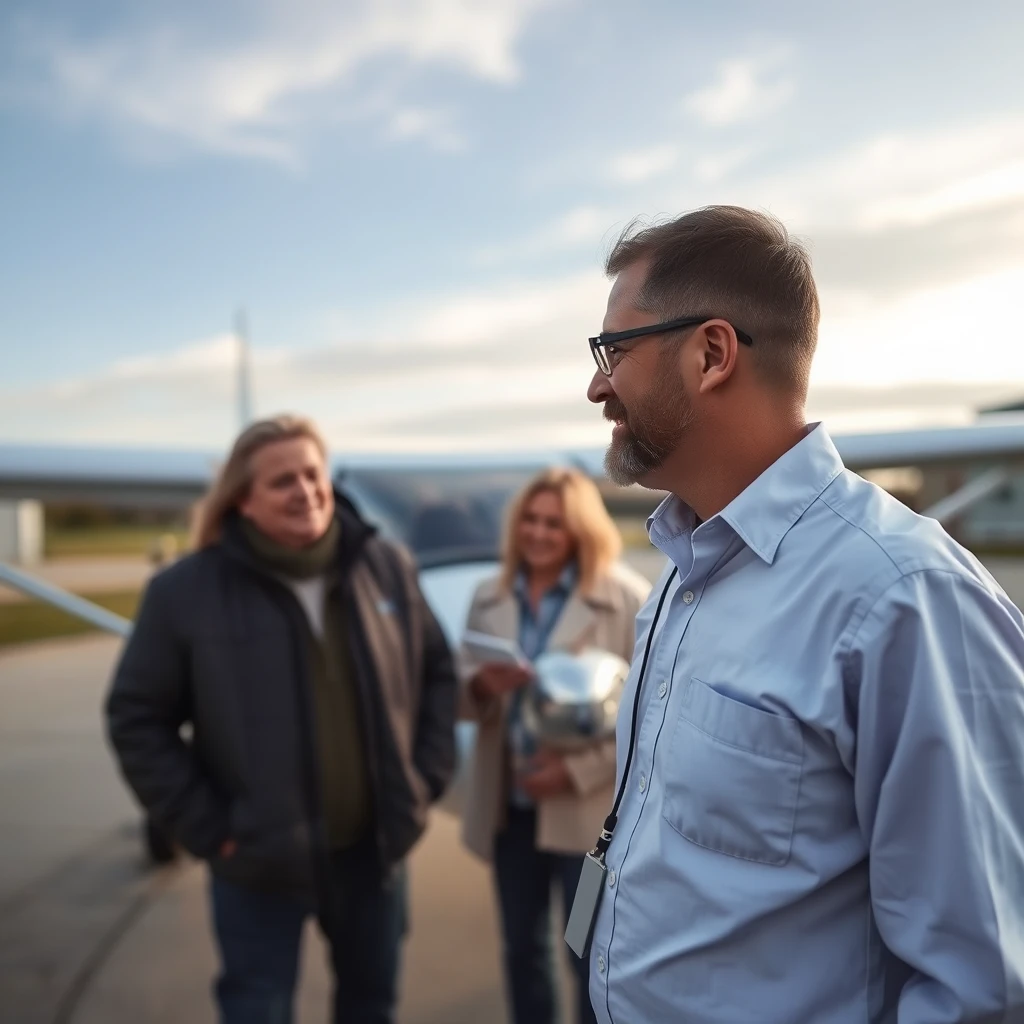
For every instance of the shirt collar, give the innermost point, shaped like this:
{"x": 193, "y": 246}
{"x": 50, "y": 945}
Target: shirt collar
{"x": 770, "y": 507}
{"x": 565, "y": 583}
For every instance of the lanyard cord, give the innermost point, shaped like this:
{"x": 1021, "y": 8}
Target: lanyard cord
{"x": 609, "y": 824}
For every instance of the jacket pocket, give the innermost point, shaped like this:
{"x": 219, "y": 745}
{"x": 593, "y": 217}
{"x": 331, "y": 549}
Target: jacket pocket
{"x": 733, "y": 777}
{"x": 273, "y": 858}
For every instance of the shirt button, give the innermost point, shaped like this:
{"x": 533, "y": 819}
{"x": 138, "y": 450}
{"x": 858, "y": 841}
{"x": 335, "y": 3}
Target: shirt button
{"x": 688, "y": 597}
{"x": 643, "y": 783}
{"x": 611, "y": 878}
{"x": 601, "y": 965}
{"x": 663, "y": 689}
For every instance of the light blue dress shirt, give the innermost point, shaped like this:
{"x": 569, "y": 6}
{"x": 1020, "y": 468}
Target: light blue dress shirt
{"x": 824, "y": 819}
{"x": 535, "y": 629}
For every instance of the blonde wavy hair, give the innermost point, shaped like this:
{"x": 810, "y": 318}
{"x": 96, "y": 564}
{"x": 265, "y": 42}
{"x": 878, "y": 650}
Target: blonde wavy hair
{"x": 598, "y": 542}
{"x": 235, "y": 476}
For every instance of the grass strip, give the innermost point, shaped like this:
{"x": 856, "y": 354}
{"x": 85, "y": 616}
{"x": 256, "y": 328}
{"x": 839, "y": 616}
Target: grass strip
{"x": 22, "y": 621}
{"x": 107, "y": 540}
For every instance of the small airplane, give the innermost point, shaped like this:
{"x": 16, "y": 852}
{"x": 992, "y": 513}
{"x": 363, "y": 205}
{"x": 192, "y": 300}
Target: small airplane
{"x": 446, "y": 509}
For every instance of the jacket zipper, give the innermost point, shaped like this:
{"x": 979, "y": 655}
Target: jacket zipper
{"x": 359, "y": 648}
{"x": 319, "y": 852}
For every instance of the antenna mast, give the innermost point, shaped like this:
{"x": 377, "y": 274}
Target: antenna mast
{"x": 244, "y": 370}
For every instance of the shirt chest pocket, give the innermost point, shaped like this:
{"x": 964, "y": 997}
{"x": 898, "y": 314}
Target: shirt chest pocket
{"x": 732, "y": 779}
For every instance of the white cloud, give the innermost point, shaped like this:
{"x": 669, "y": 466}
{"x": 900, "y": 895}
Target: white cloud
{"x": 966, "y": 332}
{"x": 643, "y": 165}
{"x": 240, "y": 96}
{"x": 887, "y": 215}
{"x": 712, "y": 168}
{"x": 974, "y": 188}
{"x": 432, "y": 126}
{"x": 579, "y": 226}
{"x": 900, "y": 179}
{"x": 208, "y": 359}
{"x": 745, "y": 87}
{"x": 517, "y": 314}
{"x": 211, "y": 354}
{"x": 513, "y": 346}
{"x": 507, "y": 367}
{"x": 888, "y": 210}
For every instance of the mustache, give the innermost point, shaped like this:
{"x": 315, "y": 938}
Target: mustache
{"x": 614, "y": 410}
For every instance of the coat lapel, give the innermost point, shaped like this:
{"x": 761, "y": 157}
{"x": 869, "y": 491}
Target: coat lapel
{"x": 501, "y": 616}
{"x": 578, "y": 623}
{"x": 575, "y": 624}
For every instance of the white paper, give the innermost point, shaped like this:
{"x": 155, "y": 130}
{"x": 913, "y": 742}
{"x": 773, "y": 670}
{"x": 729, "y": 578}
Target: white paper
{"x": 487, "y": 648}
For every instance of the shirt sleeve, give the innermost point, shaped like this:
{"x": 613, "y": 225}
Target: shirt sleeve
{"x": 935, "y": 675}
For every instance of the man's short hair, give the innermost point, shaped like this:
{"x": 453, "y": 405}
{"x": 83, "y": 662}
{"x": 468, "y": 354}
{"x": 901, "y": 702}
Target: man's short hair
{"x": 737, "y": 264}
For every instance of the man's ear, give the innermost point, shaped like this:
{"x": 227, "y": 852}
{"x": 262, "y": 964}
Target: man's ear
{"x": 718, "y": 349}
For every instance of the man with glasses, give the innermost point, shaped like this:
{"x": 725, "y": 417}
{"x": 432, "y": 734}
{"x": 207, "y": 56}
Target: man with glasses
{"x": 820, "y": 754}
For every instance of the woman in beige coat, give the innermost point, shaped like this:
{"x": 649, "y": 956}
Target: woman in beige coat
{"x": 534, "y": 814}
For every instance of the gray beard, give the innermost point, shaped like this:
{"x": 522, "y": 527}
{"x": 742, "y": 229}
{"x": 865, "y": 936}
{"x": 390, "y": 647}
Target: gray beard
{"x": 630, "y": 459}
{"x": 661, "y": 421}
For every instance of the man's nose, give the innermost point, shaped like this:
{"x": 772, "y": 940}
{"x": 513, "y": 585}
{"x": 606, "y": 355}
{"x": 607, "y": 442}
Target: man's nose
{"x": 600, "y": 389}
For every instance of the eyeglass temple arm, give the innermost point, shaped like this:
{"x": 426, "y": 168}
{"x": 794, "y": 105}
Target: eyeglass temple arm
{"x": 601, "y": 340}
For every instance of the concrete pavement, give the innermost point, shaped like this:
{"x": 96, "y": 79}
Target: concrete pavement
{"x": 89, "y": 934}
{"x": 162, "y": 974}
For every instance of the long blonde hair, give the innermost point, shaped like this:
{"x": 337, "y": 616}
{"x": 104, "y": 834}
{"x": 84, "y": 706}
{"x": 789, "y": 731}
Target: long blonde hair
{"x": 597, "y": 539}
{"x": 235, "y": 476}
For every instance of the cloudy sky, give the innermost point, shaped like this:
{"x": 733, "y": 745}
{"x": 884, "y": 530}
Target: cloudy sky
{"x": 412, "y": 198}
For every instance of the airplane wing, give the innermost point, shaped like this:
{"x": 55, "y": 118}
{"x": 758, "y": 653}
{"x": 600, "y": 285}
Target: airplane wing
{"x": 117, "y": 476}
{"x": 171, "y": 478}
{"x": 994, "y": 438}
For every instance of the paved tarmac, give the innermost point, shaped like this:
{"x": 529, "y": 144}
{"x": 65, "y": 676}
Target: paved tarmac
{"x": 89, "y": 934}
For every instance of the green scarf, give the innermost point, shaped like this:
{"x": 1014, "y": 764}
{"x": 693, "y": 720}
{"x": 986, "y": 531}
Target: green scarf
{"x": 297, "y": 563}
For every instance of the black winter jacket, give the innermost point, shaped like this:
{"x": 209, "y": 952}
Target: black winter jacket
{"x": 220, "y": 643}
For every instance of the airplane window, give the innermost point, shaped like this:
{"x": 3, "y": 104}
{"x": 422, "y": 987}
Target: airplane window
{"x": 442, "y": 516}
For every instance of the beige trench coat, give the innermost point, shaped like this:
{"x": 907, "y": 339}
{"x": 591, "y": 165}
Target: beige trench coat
{"x": 567, "y": 823}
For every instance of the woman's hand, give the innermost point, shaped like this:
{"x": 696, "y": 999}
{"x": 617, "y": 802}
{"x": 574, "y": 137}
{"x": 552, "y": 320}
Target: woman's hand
{"x": 495, "y": 679}
{"x": 547, "y": 776}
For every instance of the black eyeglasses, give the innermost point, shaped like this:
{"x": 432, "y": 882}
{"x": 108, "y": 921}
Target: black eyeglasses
{"x": 604, "y": 346}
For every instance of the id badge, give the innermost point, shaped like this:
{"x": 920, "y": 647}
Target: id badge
{"x": 580, "y": 928}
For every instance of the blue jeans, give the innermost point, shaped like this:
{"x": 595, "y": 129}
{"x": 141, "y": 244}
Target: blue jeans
{"x": 524, "y": 877}
{"x": 259, "y": 935}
